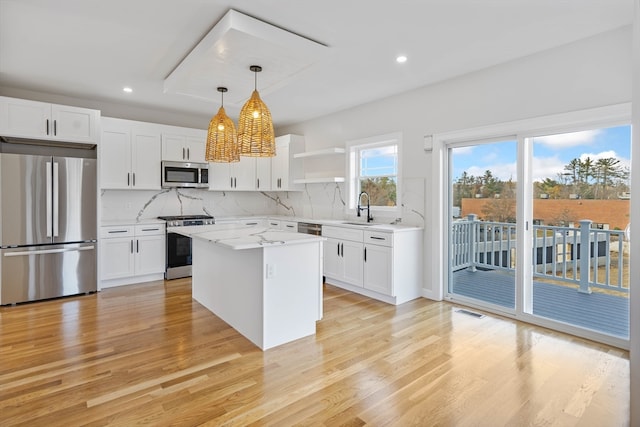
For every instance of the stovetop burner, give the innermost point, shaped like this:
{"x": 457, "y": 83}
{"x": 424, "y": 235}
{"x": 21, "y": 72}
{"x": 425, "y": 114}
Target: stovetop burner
{"x": 185, "y": 220}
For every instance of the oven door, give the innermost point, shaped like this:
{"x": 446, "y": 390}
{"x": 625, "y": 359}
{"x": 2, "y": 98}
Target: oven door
{"x": 178, "y": 256}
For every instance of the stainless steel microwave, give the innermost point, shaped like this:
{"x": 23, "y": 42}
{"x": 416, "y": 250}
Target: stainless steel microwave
{"x": 185, "y": 175}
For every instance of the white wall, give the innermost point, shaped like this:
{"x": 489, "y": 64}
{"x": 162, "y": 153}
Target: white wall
{"x": 589, "y": 73}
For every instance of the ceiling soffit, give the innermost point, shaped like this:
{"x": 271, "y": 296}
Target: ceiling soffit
{"x": 223, "y": 57}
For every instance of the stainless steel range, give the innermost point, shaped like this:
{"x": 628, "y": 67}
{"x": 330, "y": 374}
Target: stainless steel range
{"x": 178, "y": 259}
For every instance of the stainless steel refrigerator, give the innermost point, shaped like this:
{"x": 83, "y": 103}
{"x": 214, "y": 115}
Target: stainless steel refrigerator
{"x": 48, "y": 233}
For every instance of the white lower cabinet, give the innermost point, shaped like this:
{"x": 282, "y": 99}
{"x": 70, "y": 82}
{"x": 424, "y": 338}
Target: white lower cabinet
{"x": 132, "y": 254}
{"x": 378, "y": 268}
{"x": 343, "y": 255}
{"x": 385, "y": 265}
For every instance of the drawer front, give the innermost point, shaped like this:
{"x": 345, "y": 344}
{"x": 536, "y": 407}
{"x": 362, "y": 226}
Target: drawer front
{"x": 116, "y": 231}
{"x": 289, "y": 225}
{"x": 343, "y": 233}
{"x": 378, "y": 238}
{"x": 149, "y": 229}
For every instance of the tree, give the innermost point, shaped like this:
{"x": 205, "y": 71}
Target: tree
{"x": 463, "y": 188}
{"x": 502, "y": 209}
{"x": 381, "y": 190}
{"x": 490, "y": 184}
{"x": 608, "y": 169}
{"x": 550, "y": 187}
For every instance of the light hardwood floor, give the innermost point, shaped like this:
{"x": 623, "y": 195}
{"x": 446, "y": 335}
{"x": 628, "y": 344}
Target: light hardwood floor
{"x": 149, "y": 354}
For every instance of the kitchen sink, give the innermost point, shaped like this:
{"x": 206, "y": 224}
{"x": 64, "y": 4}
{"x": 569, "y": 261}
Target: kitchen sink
{"x": 366, "y": 224}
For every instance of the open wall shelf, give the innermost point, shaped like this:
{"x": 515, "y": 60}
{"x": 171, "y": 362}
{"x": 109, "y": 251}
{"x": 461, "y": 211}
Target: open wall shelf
{"x": 318, "y": 153}
{"x": 323, "y": 152}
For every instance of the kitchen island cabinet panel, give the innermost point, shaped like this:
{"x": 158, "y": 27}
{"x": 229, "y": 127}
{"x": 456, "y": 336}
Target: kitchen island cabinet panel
{"x": 265, "y": 283}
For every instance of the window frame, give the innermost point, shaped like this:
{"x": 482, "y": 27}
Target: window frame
{"x": 352, "y": 173}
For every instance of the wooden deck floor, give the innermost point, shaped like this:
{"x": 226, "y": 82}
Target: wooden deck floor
{"x": 600, "y": 312}
{"x": 150, "y": 355}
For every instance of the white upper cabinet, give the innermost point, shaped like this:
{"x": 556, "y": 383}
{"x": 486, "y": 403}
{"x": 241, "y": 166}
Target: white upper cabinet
{"x": 285, "y": 169}
{"x": 184, "y": 145}
{"x": 32, "y": 119}
{"x": 263, "y": 174}
{"x": 237, "y": 176}
{"x": 129, "y": 155}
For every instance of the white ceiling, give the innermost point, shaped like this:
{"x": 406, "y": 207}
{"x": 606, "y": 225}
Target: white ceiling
{"x": 92, "y": 49}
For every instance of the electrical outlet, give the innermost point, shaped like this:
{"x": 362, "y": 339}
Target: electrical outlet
{"x": 271, "y": 271}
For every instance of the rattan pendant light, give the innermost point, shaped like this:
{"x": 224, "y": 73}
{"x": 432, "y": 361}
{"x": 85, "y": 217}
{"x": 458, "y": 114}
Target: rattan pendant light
{"x": 255, "y": 127}
{"x": 222, "y": 140}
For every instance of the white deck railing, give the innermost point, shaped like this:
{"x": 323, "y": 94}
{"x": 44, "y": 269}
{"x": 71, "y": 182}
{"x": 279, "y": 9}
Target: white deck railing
{"x": 587, "y": 257}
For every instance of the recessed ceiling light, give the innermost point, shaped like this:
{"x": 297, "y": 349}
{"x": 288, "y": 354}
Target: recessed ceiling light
{"x": 401, "y": 59}
{"x": 127, "y": 89}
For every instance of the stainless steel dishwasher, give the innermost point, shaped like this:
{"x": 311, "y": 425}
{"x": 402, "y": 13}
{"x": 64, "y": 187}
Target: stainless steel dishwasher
{"x": 310, "y": 228}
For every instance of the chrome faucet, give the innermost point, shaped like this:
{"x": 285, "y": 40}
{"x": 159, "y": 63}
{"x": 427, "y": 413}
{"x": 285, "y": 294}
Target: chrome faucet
{"x": 368, "y": 208}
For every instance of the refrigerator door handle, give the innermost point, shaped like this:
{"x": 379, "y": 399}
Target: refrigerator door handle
{"x": 49, "y": 197}
{"x": 56, "y": 200}
{"x": 49, "y": 251}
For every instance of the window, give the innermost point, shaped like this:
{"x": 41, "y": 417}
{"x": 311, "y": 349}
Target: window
{"x": 374, "y": 167}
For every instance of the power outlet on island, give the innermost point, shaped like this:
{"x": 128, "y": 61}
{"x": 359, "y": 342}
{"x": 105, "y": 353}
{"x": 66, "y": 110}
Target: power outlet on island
{"x": 271, "y": 271}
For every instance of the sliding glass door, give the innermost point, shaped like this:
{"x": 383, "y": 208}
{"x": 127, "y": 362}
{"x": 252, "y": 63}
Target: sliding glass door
{"x": 580, "y": 198}
{"x": 482, "y": 213}
{"x": 538, "y": 227}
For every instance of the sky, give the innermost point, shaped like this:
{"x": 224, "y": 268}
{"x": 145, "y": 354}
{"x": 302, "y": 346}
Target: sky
{"x": 550, "y": 153}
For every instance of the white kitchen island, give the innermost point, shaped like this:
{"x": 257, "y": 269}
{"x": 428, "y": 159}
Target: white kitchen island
{"x": 265, "y": 283}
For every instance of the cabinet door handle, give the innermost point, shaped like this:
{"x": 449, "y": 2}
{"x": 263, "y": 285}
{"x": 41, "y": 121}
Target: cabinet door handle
{"x": 131, "y": 246}
{"x": 365, "y": 254}
{"x": 137, "y": 246}
{"x": 116, "y": 231}
{"x": 377, "y": 238}
{"x": 235, "y": 182}
{"x": 183, "y": 154}
{"x": 134, "y": 179}
{"x": 338, "y": 247}
{"x": 258, "y": 183}
{"x": 342, "y": 250}
{"x": 55, "y": 127}
{"x": 188, "y": 154}
{"x": 47, "y": 126}
{"x": 128, "y": 179}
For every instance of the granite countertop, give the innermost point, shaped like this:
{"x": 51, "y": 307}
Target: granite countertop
{"x": 236, "y": 237}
